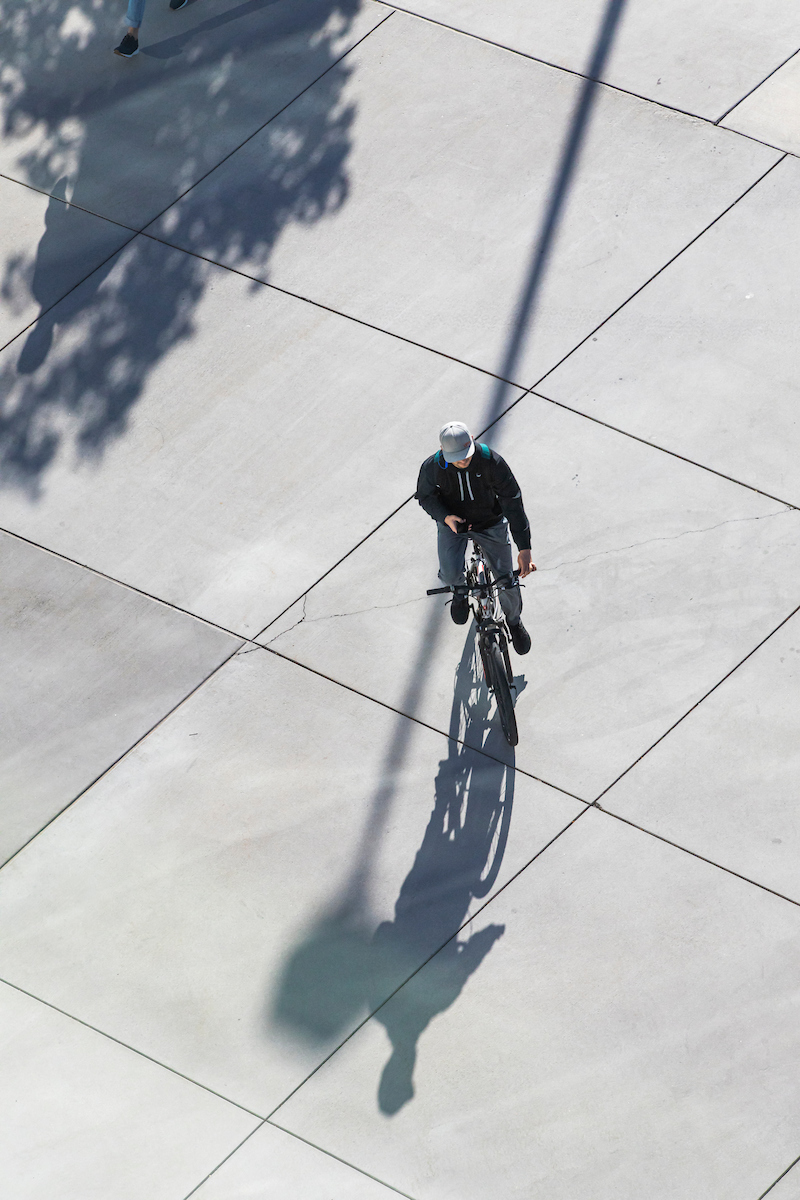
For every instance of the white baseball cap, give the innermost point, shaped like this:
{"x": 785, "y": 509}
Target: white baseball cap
{"x": 456, "y": 442}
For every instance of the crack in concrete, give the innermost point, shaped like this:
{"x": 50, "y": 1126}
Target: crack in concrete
{"x": 291, "y": 627}
{"x": 672, "y": 538}
{"x": 540, "y": 571}
{"x": 332, "y": 616}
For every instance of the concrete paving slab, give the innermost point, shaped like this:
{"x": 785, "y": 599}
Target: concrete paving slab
{"x": 237, "y": 450}
{"x": 654, "y": 580}
{"x": 129, "y": 136}
{"x": 46, "y": 247}
{"x": 88, "y": 668}
{"x": 262, "y": 872}
{"x": 724, "y": 783}
{"x": 274, "y": 1164}
{"x": 704, "y": 361}
{"x": 634, "y": 1033}
{"x": 463, "y": 156}
{"x": 772, "y": 112}
{"x": 84, "y": 1118}
{"x": 698, "y": 58}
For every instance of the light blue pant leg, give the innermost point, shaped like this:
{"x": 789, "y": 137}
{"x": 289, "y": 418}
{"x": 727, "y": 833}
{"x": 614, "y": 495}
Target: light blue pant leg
{"x": 135, "y": 13}
{"x": 496, "y": 545}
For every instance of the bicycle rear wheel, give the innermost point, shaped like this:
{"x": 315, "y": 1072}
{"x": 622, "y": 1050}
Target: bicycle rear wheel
{"x": 495, "y": 668}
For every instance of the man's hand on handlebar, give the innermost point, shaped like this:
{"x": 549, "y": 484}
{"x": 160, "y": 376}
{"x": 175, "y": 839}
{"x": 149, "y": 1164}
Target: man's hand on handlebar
{"x": 526, "y": 567}
{"x": 453, "y": 522}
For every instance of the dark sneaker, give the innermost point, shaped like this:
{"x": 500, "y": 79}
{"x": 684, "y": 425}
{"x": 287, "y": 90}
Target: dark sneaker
{"x": 128, "y": 46}
{"x": 176, "y": 4}
{"x": 520, "y": 638}
{"x": 459, "y": 609}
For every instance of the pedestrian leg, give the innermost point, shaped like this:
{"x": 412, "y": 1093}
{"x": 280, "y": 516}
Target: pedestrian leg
{"x": 135, "y": 15}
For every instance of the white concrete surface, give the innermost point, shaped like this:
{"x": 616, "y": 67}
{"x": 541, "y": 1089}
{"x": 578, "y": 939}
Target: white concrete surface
{"x": 772, "y": 112}
{"x": 700, "y": 58}
{"x": 449, "y": 182}
{"x": 631, "y": 612}
{"x": 314, "y": 885}
{"x": 724, "y": 783}
{"x": 273, "y": 1163}
{"x": 637, "y": 1033}
{"x": 88, "y": 668}
{"x": 705, "y": 361}
{"x": 84, "y": 1118}
{"x": 262, "y": 872}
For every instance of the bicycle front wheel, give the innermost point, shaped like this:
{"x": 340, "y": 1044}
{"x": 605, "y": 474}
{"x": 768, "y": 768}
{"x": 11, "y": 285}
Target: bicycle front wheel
{"x": 497, "y": 678}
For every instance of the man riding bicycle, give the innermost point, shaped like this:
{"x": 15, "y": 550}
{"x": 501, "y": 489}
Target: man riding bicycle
{"x": 469, "y": 485}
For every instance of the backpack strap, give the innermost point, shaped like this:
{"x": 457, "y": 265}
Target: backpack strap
{"x": 484, "y": 449}
{"x": 438, "y": 458}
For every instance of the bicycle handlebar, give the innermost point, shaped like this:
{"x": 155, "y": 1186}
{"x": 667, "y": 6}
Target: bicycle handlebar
{"x": 441, "y": 590}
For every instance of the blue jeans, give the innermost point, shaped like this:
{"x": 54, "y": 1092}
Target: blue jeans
{"x": 496, "y": 545}
{"x": 135, "y": 12}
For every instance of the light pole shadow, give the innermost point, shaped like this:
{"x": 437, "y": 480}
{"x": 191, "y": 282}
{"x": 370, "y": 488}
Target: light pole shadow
{"x": 341, "y": 970}
{"x": 555, "y": 208}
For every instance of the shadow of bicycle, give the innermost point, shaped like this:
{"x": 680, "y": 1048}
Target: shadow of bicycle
{"x": 346, "y": 969}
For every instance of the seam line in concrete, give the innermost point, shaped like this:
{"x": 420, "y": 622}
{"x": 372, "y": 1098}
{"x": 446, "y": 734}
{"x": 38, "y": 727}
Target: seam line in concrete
{"x": 330, "y": 1154}
{"x": 305, "y": 1141}
{"x": 337, "y": 312}
{"x": 338, "y": 563}
{"x": 418, "y": 721}
{"x": 782, "y": 1175}
{"x": 222, "y": 1162}
{"x": 694, "y": 854}
{"x": 422, "y": 965}
{"x": 697, "y": 703}
{"x": 783, "y": 156}
{"x": 664, "y": 450}
{"x": 261, "y": 128}
{"x": 245, "y": 641}
{"x": 120, "y": 757}
{"x": 131, "y": 587}
{"x": 126, "y": 1046}
{"x": 525, "y": 391}
{"x": 178, "y": 198}
{"x": 612, "y": 87}
{"x": 69, "y": 291}
{"x": 728, "y": 111}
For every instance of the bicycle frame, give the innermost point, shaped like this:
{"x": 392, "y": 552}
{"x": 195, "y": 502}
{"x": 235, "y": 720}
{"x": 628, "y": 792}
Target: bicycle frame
{"x": 484, "y": 600}
{"x": 483, "y": 594}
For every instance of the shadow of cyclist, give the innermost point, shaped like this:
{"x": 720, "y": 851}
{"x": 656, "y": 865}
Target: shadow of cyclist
{"x": 342, "y": 971}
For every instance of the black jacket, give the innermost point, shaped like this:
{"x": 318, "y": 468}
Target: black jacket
{"x": 483, "y": 493}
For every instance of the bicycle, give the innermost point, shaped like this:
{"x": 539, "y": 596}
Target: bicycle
{"x": 483, "y": 593}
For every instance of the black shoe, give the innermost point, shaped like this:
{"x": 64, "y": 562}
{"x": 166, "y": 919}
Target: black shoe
{"x": 459, "y": 609}
{"x": 520, "y": 638}
{"x": 176, "y": 4}
{"x": 128, "y": 46}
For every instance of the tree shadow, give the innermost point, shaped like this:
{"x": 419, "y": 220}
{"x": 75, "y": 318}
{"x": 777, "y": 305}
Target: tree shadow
{"x": 84, "y": 364}
{"x": 346, "y": 969}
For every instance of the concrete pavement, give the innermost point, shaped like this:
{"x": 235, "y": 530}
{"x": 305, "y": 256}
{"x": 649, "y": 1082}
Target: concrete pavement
{"x": 281, "y": 914}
